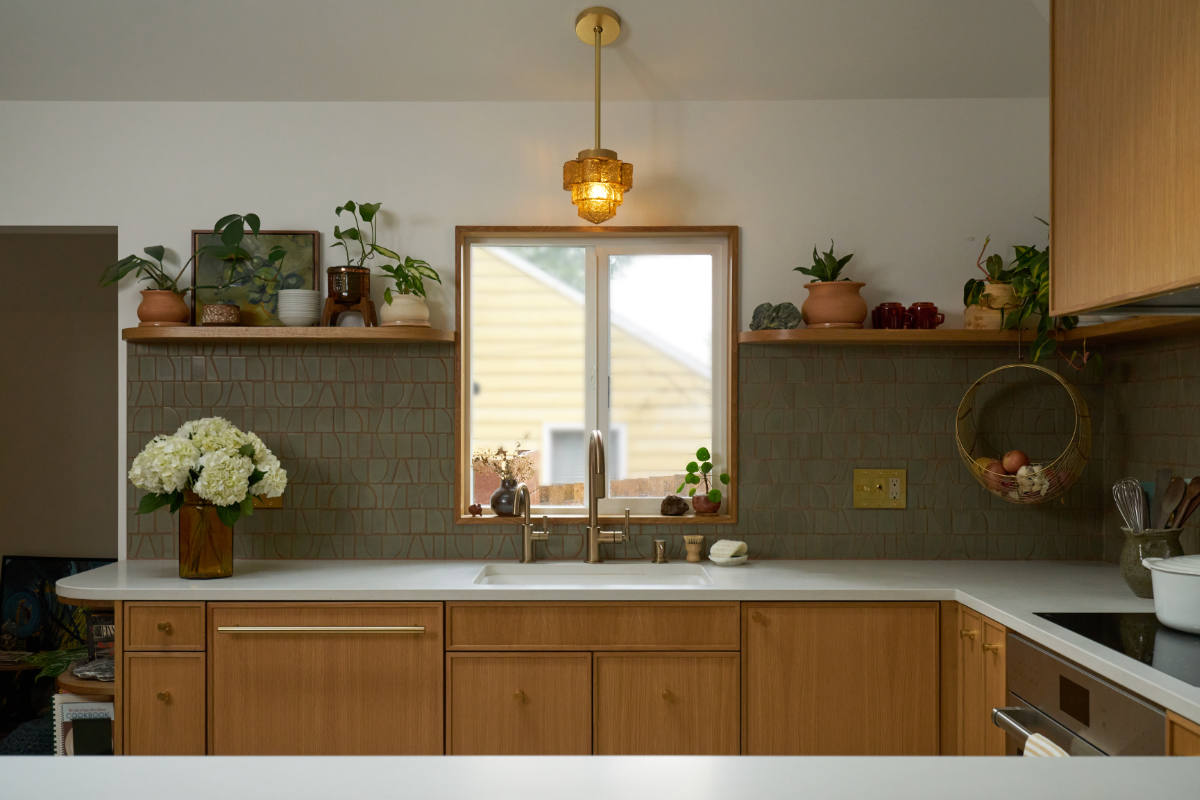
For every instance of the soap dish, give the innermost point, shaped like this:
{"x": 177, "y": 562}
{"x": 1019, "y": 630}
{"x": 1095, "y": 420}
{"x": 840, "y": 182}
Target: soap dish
{"x": 731, "y": 561}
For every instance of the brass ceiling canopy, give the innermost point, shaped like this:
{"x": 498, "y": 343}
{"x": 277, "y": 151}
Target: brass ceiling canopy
{"x": 597, "y": 179}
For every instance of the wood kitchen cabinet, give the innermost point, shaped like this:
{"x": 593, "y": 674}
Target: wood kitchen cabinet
{"x": 164, "y": 704}
{"x": 980, "y": 685}
{"x": 325, "y": 678}
{"x": 518, "y": 703}
{"x": 1183, "y": 736}
{"x": 666, "y": 703}
{"x": 1125, "y": 157}
{"x": 840, "y": 678}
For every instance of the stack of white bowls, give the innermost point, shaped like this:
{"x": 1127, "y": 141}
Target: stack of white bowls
{"x": 299, "y": 308}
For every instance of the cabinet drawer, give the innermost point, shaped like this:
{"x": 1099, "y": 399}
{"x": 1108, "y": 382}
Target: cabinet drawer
{"x": 592, "y": 626}
{"x": 164, "y": 704}
{"x": 518, "y": 704}
{"x": 164, "y": 626}
{"x": 667, "y": 704}
{"x": 326, "y": 678}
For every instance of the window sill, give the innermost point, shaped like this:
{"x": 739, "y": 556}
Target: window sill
{"x": 608, "y": 521}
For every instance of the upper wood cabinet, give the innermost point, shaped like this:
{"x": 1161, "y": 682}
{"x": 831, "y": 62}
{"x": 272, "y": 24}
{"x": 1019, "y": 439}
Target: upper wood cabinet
{"x": 840, "y": 678}
{"x": 325, "y": 678}
{"x": 1125, "y": 151}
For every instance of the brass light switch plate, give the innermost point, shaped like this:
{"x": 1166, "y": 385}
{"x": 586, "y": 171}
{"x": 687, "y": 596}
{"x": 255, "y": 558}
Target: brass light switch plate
{"x": 880, "y": 488}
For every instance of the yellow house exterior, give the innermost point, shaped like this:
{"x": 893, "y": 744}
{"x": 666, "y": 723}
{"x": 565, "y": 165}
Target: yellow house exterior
{"x": 528, "y": 385}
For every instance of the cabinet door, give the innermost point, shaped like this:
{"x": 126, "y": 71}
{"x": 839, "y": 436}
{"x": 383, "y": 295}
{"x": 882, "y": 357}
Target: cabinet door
{"x": 666, "y": 703}
{"x": 994, "y": 683}
{"x": 1183, "y": 736}
{"x": 840, "y": 678}
{"x": 519, "y": 703}
{"x": 972, "y": 699}
{"x": 1125, "y": 157}
{"x": 325, "y": 678}
{"x": 163, "y": 695}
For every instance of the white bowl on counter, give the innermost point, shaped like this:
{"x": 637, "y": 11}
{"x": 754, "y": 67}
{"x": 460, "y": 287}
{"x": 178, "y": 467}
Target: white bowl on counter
{"x": 1176, "y": 591}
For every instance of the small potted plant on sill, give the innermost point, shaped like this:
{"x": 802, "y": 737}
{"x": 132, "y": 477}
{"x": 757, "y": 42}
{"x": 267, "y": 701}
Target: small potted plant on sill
{"x": 404, "y": 302}
{"x": 697, "y": 472}
{"x": 513, "y": 466}
{"x": 833, "y": 302}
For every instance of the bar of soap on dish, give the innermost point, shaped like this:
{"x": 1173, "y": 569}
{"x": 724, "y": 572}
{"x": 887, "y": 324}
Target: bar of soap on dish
{"x": 727, "y": 548}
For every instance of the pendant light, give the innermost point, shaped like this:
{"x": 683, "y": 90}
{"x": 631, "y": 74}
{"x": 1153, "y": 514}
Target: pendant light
{"x": 597, "y": 179}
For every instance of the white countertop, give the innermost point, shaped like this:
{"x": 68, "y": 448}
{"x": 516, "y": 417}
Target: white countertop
{"x": 601, "y": 777}
{"x": 1009, "y": 592}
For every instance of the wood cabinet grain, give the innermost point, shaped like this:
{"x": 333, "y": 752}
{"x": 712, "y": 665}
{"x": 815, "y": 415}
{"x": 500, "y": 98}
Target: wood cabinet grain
{"x": 518, "y": 703}
{"x": 341, "y": 690}
{"x": 1183, "y": 736}
{"x": 1125, "y": 156}
{"x": 163, "y": 626}
{"x": 666, "y": 704}
{"x": 592, "y": 626}
{"x": 163, "y": 704}
{"x": 994, "y": 685}
{"x": 840, "y": 678}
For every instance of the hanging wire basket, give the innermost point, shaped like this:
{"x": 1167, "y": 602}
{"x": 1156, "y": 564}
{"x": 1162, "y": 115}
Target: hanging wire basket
{"x": 1042, "y": 485}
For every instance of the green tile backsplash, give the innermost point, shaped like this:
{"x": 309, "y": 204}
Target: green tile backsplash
{"x": 366, "y": 433}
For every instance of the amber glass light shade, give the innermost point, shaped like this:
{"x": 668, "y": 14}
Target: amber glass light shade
{"x": 597, "y": 181}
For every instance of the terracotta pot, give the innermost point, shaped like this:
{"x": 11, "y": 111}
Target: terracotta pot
{"x": 162, "y": 308}
{"x": 205, "y": 543}
{"x": 834, "y": 304}
{"x": 703, "y": 505}
{"x": 405, "y": 309}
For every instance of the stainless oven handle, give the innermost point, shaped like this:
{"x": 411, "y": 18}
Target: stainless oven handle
{"x": 1002, "y": 718}
{"x": 1020, "y": 722}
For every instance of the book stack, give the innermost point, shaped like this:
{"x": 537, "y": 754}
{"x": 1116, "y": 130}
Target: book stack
{"x": 82, "y": 726}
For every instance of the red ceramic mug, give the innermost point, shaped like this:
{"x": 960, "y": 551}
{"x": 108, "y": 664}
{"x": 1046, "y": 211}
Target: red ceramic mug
{"x": 925, "y": 315}
{"x": 890, "y": 315}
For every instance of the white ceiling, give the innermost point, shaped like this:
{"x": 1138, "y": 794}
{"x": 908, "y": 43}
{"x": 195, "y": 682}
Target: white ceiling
{"x": 519, "y": 50}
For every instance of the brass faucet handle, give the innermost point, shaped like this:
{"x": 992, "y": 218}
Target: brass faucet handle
{"x": 625, "y": 527}
{"x": 544, "y": 533}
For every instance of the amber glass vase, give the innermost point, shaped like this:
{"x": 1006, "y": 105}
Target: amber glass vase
{"x": 205, "y": 543}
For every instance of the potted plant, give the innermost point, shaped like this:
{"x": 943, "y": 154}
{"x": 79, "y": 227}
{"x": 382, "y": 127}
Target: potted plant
{"x": 404, "y": 302}
{"x": 988, "y": 300}
{"x": 832, "y": 302}
{"x": 513, "y": 466}
{"x": 162, "y": 306}
{"x": 350, "y": 283}
{"x": 210, "y": 472}
{"x": 697, "y": 472}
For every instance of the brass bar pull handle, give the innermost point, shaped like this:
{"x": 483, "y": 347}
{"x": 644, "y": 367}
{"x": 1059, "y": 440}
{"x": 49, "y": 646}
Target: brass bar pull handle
{"x": 995, "y": 648}
{"x": 165, "y": 627}
{"x": 320, "y": 629}
{"x": 164, "y": 696}
{"x": 968, "y": 634}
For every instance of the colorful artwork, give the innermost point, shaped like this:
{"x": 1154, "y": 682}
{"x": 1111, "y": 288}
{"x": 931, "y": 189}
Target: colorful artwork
{"x": 257, "y": 294}
{"x": 31, "y": 618}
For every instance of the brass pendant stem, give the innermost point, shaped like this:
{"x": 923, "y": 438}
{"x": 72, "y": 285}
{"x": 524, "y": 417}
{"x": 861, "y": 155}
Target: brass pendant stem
{"x": 598, "y": 30}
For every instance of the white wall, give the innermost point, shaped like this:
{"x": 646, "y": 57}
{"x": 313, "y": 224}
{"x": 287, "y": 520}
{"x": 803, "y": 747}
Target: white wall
{"x": 910, "y": 186}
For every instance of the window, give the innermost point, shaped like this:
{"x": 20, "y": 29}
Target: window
{"x": 630, "y": 331}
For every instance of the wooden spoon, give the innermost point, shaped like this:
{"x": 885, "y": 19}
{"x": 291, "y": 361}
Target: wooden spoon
{"x": 1170, "y": 501}
{"x": 1191, "y": 501}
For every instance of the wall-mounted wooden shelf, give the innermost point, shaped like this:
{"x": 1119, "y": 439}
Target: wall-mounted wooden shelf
{"x": 67, "y": 682}
{"x": 1131, "y": 329}
{"x": 237, "y": 335}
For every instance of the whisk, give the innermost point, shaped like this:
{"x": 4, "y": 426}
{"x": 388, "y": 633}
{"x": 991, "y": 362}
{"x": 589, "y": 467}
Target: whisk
{"x": 1131, "y": 502}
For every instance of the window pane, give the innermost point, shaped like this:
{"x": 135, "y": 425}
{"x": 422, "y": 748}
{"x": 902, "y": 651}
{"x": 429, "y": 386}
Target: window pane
{"x": 527, "y": 358}
{"x": 660, "y": 366}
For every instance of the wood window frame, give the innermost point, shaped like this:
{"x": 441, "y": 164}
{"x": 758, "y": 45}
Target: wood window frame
{"x": 466, "y": 235}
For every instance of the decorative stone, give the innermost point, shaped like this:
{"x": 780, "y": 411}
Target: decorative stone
{"x": 767, "y": 317}
{"x": 673, "y": 506}
{"x": 475, "y": 509}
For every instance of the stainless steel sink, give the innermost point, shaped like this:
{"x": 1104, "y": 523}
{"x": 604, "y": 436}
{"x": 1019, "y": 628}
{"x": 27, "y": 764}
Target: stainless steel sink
{"x": 592, "y": 575}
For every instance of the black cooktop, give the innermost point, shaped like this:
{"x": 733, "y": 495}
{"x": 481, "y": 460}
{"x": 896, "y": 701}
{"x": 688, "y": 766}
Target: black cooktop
{"x": 1139, "y": 636}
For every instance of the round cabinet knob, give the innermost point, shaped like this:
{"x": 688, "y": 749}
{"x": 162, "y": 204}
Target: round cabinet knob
{"x": 666, "y": 695}
{"x": 165, "y": 627}
{"x": 519, "y": 696}
{"x": 968, "y": 634}
{"x": 164, "y": 696}
{"x": 758, "y": 617}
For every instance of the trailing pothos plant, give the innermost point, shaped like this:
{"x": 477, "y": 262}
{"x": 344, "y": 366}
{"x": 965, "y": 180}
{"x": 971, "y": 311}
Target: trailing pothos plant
{"x": 697, "y": 472}
{"x": 826, "y": 267}
{"x": 409, "y": 277}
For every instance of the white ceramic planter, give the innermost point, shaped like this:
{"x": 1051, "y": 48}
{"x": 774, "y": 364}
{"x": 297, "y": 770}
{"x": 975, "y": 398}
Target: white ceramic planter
{"x": 1176, "y": 591}
{"x": 405, "y": 309}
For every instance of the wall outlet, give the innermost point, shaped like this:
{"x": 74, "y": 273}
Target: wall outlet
{"x": 880, "y": 488}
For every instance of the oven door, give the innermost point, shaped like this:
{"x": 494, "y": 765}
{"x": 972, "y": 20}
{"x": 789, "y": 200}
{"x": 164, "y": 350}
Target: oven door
{"x": 1020, "y": 720}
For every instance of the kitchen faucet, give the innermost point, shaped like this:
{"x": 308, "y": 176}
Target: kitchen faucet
{"x": 521, "y": 505}
{"x": 597, "y": 487}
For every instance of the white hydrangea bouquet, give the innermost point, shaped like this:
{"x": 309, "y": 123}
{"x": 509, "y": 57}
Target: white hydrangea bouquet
{"x": 223, "y": 465}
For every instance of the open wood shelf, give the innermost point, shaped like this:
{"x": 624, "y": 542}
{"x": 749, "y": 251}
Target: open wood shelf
{"x": 1131, "y": 329}
{"x": 82, "y": 686}
{"x": 279, "y": 335}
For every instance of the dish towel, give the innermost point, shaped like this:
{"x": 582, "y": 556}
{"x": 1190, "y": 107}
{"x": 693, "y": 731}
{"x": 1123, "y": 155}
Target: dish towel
{"x": 727, "y": 548}
{"x": 1038, "y": 746}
